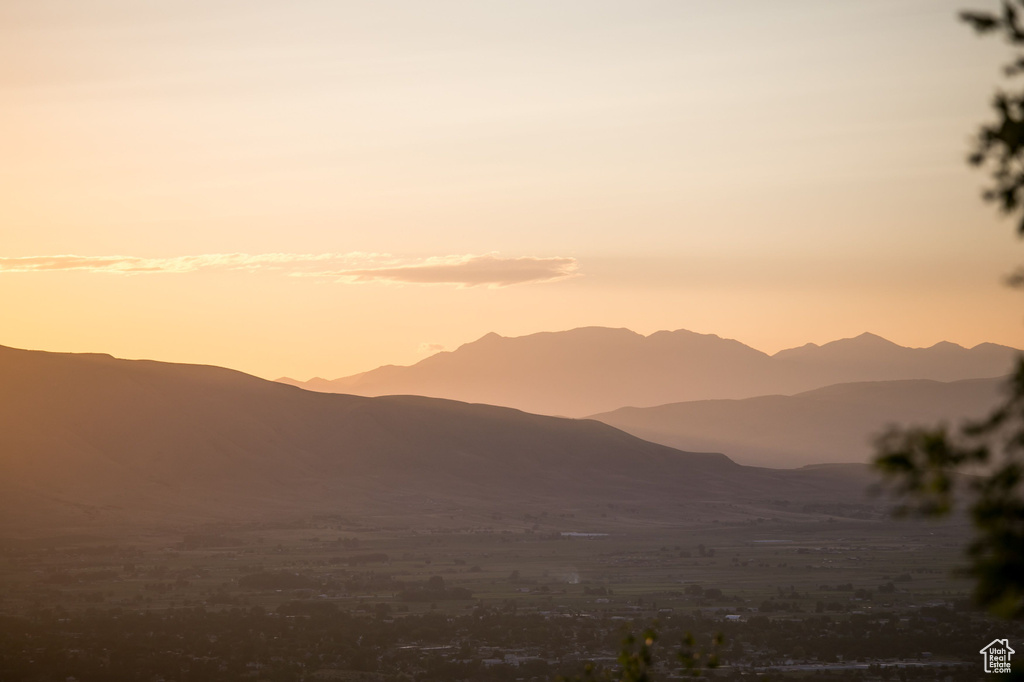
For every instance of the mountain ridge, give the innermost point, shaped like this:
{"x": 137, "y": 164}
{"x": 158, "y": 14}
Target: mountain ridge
{"x": 834, "y": 423}
{"x": 590, "y": 370}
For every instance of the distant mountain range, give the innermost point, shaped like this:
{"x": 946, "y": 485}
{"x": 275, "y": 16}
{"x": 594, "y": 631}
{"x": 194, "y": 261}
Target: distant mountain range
{"x": 832, "y": 424}
{"x": 89, "y": 440}
{"x": 597, "y": 369}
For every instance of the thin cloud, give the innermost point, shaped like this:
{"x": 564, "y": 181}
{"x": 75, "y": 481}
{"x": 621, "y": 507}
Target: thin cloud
{"x": 471, "y": 271}
{"x": 209, "y": 261}
{"x": 466, "y": 271}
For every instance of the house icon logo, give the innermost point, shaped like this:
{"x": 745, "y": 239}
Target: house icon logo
{"x": 997, "y": 656}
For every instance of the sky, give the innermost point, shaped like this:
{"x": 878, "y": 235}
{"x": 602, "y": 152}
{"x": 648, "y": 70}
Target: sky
{"x": 319, "y": 187}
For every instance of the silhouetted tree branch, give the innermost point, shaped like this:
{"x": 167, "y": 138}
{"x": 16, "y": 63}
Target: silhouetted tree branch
{"x": 930, "y": 469}
{"x": 1001, "y": 143}
{"x": 981, "y": 464}
{"x": 636, "y": 659}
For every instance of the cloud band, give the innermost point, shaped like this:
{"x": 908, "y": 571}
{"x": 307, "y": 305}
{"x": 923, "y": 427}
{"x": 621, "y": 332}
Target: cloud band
{"x": 470, "y": 271}
{"x": 490, "y": 270}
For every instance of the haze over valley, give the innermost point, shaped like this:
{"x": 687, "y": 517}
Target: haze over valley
{"x": 198, "y": 499}
{"x": 509, "y": 341}
{"x": 837, "y": 423}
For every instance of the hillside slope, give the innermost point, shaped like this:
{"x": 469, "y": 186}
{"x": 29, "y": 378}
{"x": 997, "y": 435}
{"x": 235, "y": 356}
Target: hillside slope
{"x": 93, "y": 439}
{"x": 831, "y": 424}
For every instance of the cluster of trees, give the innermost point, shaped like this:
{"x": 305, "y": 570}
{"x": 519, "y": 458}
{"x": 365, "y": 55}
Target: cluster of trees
{"x": 434, "y": 589}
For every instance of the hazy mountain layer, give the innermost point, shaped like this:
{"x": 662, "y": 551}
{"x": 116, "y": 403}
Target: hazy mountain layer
{"x": 89, "y": 439}
{"x": 832, "y": 424}
{"x": 596, "y": 369}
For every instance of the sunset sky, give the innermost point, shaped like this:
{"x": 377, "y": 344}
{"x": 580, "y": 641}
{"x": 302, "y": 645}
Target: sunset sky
{"x": 320, "y": 187}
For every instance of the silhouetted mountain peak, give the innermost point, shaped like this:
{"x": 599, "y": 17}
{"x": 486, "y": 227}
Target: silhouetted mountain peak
{"x": 989, "y": 347}
{"x": 865, "y": 340}
{"x": 609, "y": 332}
{"x": 487, "y": 339}
{"x": 582, "y": 334}
{"x": 806, "y": 348}
{"x": 863, "y": 346}
{"x": 947, "y": 346}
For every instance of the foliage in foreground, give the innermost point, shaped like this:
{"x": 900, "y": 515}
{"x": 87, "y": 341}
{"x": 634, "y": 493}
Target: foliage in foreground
{"x": 982, "y": 462}
{"x": 636, "y": 659}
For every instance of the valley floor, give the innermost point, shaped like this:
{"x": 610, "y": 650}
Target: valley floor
{"x": 806, "y": 596}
